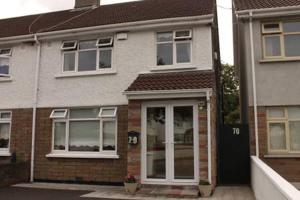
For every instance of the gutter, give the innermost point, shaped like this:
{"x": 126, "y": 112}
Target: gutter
{"x": 34, "y": 109}
{"x": 128, "y": 26}
{"x": 208, "y": 99}
{"x": 269, "y": 12}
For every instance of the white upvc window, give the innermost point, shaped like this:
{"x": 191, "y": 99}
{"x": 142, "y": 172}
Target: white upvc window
{"x": 174, "y": 47}
{"x": 283, "y": 130}
{"x": 281, "y": 40}
{"x": 5, "y": 131}
{"x": 85, "y": 131}
{"x": 5, "y": 55}
{"x": 88, "y": 55}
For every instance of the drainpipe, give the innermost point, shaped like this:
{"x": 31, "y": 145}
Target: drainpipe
{"x": 208, "y": 136}
{"x": 254, "y": 83}
{"x": 35, "y": 100}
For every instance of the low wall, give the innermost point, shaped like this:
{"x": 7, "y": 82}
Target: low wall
{"x": 13, "y": 173}
{"x": 267, "y": 184}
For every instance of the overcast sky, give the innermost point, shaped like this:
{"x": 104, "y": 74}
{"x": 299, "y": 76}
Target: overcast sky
{"x": 12, "y": 8}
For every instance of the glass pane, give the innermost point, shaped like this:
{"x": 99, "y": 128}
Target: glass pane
{"x": 183, "y": 52}
{"x": 4, "y": 65}
{"x": 87, "y": 44}
{"x": 271, "y": 27}
{"x": 292, "y": 45}
{"x": 294, "y": 112}
{"x": 182, "y": 33}
{"x": 277, "y": 136}
{"x": 105, "y": 41}
{"x": 5, "y": 115}
{"x": 87, "y": 60}
{"x": 108, "y": 112}
{"x": 165, "y": 54}
{"x": 69, "y": 61}
{"x": 109, "y": 134}
{"x": 84, "y": 136}
{"x": 184, "y": 143}
{"x": 295, "y": 136}
{"x": 276, "y": 113}
{"x": 58, "y": 114}
{"x": 105, "y": 59}
{"x": 84, "y": 113}
{"x": 156, "y": 138}
{"x": 59, "y": 136}
{"x": 165, "y": 37}
{"x": 291, "y": 27}
{"x": 4, "y": 135}
{"x": 272, "y": 45}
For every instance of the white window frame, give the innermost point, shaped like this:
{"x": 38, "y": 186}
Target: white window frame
{"x": 174, "y": 42}
{"x": 6, "y": 151}
{"x": 77, "y": 50}
{"x": 281, "y": 35}
{"x": 82, "y": 154}
{"x": 52, "y": 116}
{"x": 283, "y": 120}
{"x": 183, "y": 37}
{"x": 108, "y": 108}
{"x": 7, "y": 55}
{"x": 110, "y": 44}
{"x": 69, "y": 48}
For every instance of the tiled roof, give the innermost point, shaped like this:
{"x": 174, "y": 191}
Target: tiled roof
{"x": 105, "y": 15}
{"x": 260, "y": 4}
{"x": 173, "y": 81}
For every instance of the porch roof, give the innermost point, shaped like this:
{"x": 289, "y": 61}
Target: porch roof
{"x": 189, "y": 80}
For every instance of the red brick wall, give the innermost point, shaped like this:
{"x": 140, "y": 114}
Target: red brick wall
{"x": 85, "y": 170}
{"x": 134, "y": 152}
{"x": 289, "y": 168}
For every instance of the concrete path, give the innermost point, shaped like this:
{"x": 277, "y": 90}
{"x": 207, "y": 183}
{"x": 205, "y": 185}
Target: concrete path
{"x": 113, "y": 192}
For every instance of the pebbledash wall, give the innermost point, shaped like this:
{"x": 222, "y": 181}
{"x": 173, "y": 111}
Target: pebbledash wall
{"x": 285, "y": 166}
{"x": 134, "y": 152}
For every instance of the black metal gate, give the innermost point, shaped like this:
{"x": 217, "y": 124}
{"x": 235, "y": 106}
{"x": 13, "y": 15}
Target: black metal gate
{"x": 234, "y": 155}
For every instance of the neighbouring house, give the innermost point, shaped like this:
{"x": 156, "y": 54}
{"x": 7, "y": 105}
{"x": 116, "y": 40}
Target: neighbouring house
{"x": 100, "y": 91}
{"x": 267, "y": 52}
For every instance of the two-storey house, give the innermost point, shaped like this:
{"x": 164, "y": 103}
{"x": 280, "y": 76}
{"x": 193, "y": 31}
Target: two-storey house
{"x": 93, "y": 93}
{"x": 267, "y": 52}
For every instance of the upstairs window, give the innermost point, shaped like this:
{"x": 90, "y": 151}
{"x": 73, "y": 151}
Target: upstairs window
{"x": 174, "y": 47}
{"x": 89, "y": 55}
{"x": 4, "y": 62}
{"x": 281, "y": 40}
{"x": 5, "y": 129}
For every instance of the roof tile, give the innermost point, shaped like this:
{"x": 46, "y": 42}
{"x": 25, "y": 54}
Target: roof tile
{"x": 173, "y": 81}
{"x": 261, "y": 4}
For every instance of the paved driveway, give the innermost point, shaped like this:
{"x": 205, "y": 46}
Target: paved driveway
{"x": 17, "y": 193}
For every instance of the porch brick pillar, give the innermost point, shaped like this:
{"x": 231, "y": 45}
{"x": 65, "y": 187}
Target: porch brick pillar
{"x": 134, "y": 151}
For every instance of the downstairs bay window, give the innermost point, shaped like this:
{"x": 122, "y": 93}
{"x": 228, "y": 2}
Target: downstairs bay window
{"x": 284, "y": 130}
{"x": 84, "y": 132}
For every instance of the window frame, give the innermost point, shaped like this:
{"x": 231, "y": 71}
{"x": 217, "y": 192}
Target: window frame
{"x": 67, "y": 121}
{"x": 77, "y": 50}
{"x": 281, "y": 34}
{"x": 8, "y": 56}
{"x": 58, "y": 110}
{"x": 6, "y": 121}
{"x": 284, "y": 120}
{"x": 174, "y": 42}
{"x": 69, "y": 48}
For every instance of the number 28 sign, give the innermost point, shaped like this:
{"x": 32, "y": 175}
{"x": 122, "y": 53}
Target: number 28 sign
{"x": 133, "y": 138}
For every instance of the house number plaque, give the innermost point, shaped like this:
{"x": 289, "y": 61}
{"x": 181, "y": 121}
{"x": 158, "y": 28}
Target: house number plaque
{"x": 133, "y": 138}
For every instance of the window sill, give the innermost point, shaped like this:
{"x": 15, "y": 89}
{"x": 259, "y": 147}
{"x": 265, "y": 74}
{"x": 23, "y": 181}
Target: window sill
{"x": 5, "y": 79}
{"x": 82, "y": 155}
{"x": 282, "y": 156}
{"x": 172, "y": 67}
{"x": 5, "y": 154}
{"x": 279, "y": 60}
{"x": 91, "y": 73}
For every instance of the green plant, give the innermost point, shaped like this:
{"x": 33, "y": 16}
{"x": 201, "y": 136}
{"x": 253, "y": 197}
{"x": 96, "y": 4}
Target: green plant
{"x": 204, "y": 182}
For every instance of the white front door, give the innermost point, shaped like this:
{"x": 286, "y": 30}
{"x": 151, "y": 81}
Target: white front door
{"x": 170, "y": 147}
